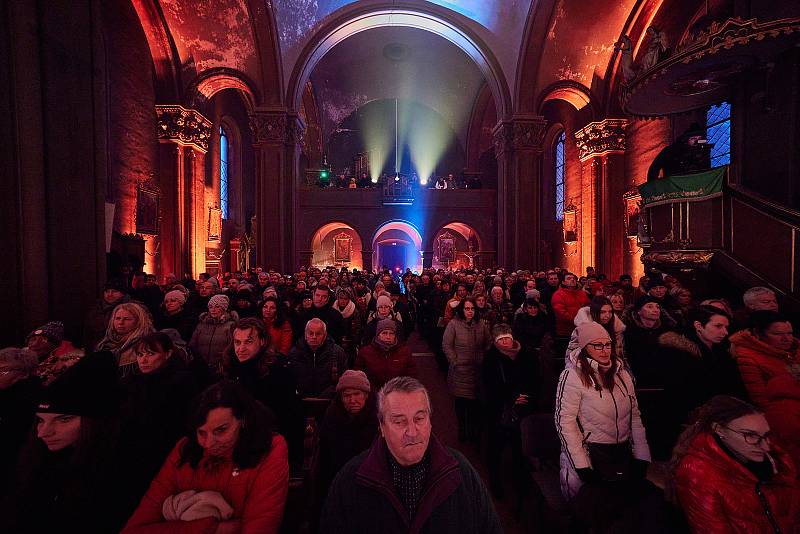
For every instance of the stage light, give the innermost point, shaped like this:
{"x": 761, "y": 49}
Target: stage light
{"x": 396, "y": 177}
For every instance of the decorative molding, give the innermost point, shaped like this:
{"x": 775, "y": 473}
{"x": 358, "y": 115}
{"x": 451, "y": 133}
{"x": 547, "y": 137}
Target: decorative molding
{"x": 529, "y": 133}
{"x": 601, "y": 138}
{"x": 503, "y": 138}
{"x": 183, "y": 126}
{"x": 277, "y": 128}
{"x": 520, "y": 133}
{"x": 674, "y": 257}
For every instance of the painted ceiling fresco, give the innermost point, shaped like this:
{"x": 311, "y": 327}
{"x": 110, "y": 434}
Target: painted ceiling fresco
{"x": 212, "y": 33}
{"x": 500, "y": 23}
{"x": 403, "y": 63}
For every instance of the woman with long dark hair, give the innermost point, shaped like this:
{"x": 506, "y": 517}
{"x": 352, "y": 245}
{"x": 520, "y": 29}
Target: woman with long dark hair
{"x": 229, "y": 474}
{"x": 604, "y": 451}
{"x": 275, "y": 317}
{"x": 728, "y": 475}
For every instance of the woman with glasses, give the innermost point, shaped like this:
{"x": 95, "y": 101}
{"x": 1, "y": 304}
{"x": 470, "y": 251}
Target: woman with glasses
{"x": 604, "y": 451}
{"x": 729, "y": 477}
{"x": 465, "y": 342}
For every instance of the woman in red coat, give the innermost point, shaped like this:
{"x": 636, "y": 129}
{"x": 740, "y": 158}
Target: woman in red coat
{"x": 229, "y": 475}
{"x": 386, "y": 357}
{"x": 768, "y": 356}
{"x": 729, "y": 478}
{"x": 278, "y": 326}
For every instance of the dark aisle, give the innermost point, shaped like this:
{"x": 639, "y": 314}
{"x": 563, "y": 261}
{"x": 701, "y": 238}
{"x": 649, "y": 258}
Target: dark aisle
{"x": 445, "y": 426}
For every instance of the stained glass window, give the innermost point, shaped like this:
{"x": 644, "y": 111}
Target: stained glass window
{"x": 559, "y": 173}
{"x": 718, "y": 131}
{"x": 223, "y": 173}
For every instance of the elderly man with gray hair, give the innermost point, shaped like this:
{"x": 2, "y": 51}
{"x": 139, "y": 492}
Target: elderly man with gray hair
{"x": 408, "y": 481}
{"x": 317, "y": 362}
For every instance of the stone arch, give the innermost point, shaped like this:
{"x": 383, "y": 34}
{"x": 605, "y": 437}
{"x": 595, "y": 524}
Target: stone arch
{"x": 398, "y": 231}
{"x": 574, "y": 93}
{"x": 322, "y": 245}
{"x": 212, "y": 81}
{"x": 466, "y": 235}
{"x": 425, "y": 18}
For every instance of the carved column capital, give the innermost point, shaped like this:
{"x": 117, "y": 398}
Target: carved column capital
{"x": 183, "y": 126}
{"x": 519, "y": 133}
{"x": 600, "y": 138}
{"x": 276, "y": 127}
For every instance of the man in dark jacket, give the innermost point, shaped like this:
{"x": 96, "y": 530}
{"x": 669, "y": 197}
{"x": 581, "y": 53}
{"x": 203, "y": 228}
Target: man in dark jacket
{"x": 322, "y": 309}
{"x": 317, "y": 362}
{"x": 408, "y": 481}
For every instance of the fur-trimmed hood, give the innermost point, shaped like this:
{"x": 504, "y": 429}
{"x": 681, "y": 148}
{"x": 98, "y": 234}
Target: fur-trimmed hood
{"x": 673, "y": 340}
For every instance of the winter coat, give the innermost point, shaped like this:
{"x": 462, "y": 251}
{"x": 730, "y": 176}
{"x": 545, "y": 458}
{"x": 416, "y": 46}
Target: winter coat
{"x": 641, "y": 345}
{"x": 530, "y": 330}
{"x": 382, "y": 365}
{"x": 154, "y": 413}
{"x": 772, "y": 379}
{"x": 693, "y": 373}
{"x": 268, "y": 378}
{"x": 719, "y": 495}
{"x": 257, "y": 495}
{"x": 586, "y": 414}
{"x": 351, "y": 325}
{"x": 342, "y": 437}
{"x": 183, "y": 321}
{"x": 281, "y": 337}
{"x": 565, "y": 305}
{"x": 505, "y": 379}
{"x": 585, "y": 316}
{"x": 211, "y": 337}
{"x": 317, "y": 372}
{"x": 503, "y": 311}
{"x": 465, "y": 344}
{"x": 18, "y": 404}
{"x": 362, "y": 499}
{"x": 332, "y": 319}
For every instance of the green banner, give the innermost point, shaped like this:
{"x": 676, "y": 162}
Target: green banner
{"x": 684, "y": 188}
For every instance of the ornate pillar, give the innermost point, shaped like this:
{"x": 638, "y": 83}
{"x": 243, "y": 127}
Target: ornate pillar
{"x": 601, "y": 146}
{"x": 277, "y": 139}
{"x": 183, "y": 136}
{"x": 518, "y": 148}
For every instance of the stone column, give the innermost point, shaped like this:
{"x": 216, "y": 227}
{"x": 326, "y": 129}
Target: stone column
{"x": 277, "y": 138}
{"x": 518, "y": 148}
{"x": 601, "y": 146}
{"x": 183, "y": 136}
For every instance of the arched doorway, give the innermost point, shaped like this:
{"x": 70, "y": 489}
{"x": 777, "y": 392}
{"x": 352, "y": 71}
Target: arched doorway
{"x": 336, "y": 244}
{"x": 456, "y": 245}
{"x": 397, "y": 245}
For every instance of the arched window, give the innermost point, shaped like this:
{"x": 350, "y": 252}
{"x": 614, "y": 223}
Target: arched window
{"x": 223, "y": 172}
{"x": 718, "y": 131}
{"x": 558, "y": 161}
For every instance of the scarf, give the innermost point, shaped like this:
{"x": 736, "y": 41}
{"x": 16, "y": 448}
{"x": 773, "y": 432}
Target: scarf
{"x": 384, "y": 346}
{"x": 348, "y": 310}
{"x": 409, "y": 482}
{"x": 512, "y": 352}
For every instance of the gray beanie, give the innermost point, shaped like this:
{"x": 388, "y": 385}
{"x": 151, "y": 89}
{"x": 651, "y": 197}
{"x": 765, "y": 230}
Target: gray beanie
{"x": 219, "y": 300}
{"x": 383, "y": 300}
{"x": 352, "y": 379}
{"x": 532, "y": 294}
{"x": 588, "y": 332}
{"x": 386, "y": 324}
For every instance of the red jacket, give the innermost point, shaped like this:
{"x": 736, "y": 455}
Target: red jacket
{"x": 719, "y": 495}
{"x": 257, "y": 495}
{"x": 565, "y": 304}
{"x": 381, "y": 366}
{"x": 771, "y": 386}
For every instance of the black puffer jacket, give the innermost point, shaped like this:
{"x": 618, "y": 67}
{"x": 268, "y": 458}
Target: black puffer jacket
{"x": 317, "y": 371}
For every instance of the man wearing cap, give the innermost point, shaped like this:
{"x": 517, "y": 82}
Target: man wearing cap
{"x": 408, "y": 481}
{"x": 349, "y": 427}
{"x": 386, "y": 357}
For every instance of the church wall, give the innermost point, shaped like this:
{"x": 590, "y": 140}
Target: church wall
{"x": 132, "y": 121}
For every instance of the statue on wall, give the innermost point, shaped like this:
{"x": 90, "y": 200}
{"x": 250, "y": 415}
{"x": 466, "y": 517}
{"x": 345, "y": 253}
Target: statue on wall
{"x": 625, "y": 47}
{"x": 656, "y": 49}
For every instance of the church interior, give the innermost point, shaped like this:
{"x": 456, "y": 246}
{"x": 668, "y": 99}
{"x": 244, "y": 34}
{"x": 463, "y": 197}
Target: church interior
{"x": 182, "y": 138}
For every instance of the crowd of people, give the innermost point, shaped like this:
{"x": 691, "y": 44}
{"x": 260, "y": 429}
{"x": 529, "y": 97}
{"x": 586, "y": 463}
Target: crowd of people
{"x": 189, "y": 406}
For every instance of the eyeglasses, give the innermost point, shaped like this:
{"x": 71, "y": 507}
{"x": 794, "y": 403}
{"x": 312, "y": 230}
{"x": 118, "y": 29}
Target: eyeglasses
{"x": 601, "y": 346}
{"x": 752, "y": 438}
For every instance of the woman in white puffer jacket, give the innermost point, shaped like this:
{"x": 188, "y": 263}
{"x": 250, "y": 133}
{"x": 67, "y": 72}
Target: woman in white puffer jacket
{"x": 600, "y": 311}
{"x": 596, "y": 404}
